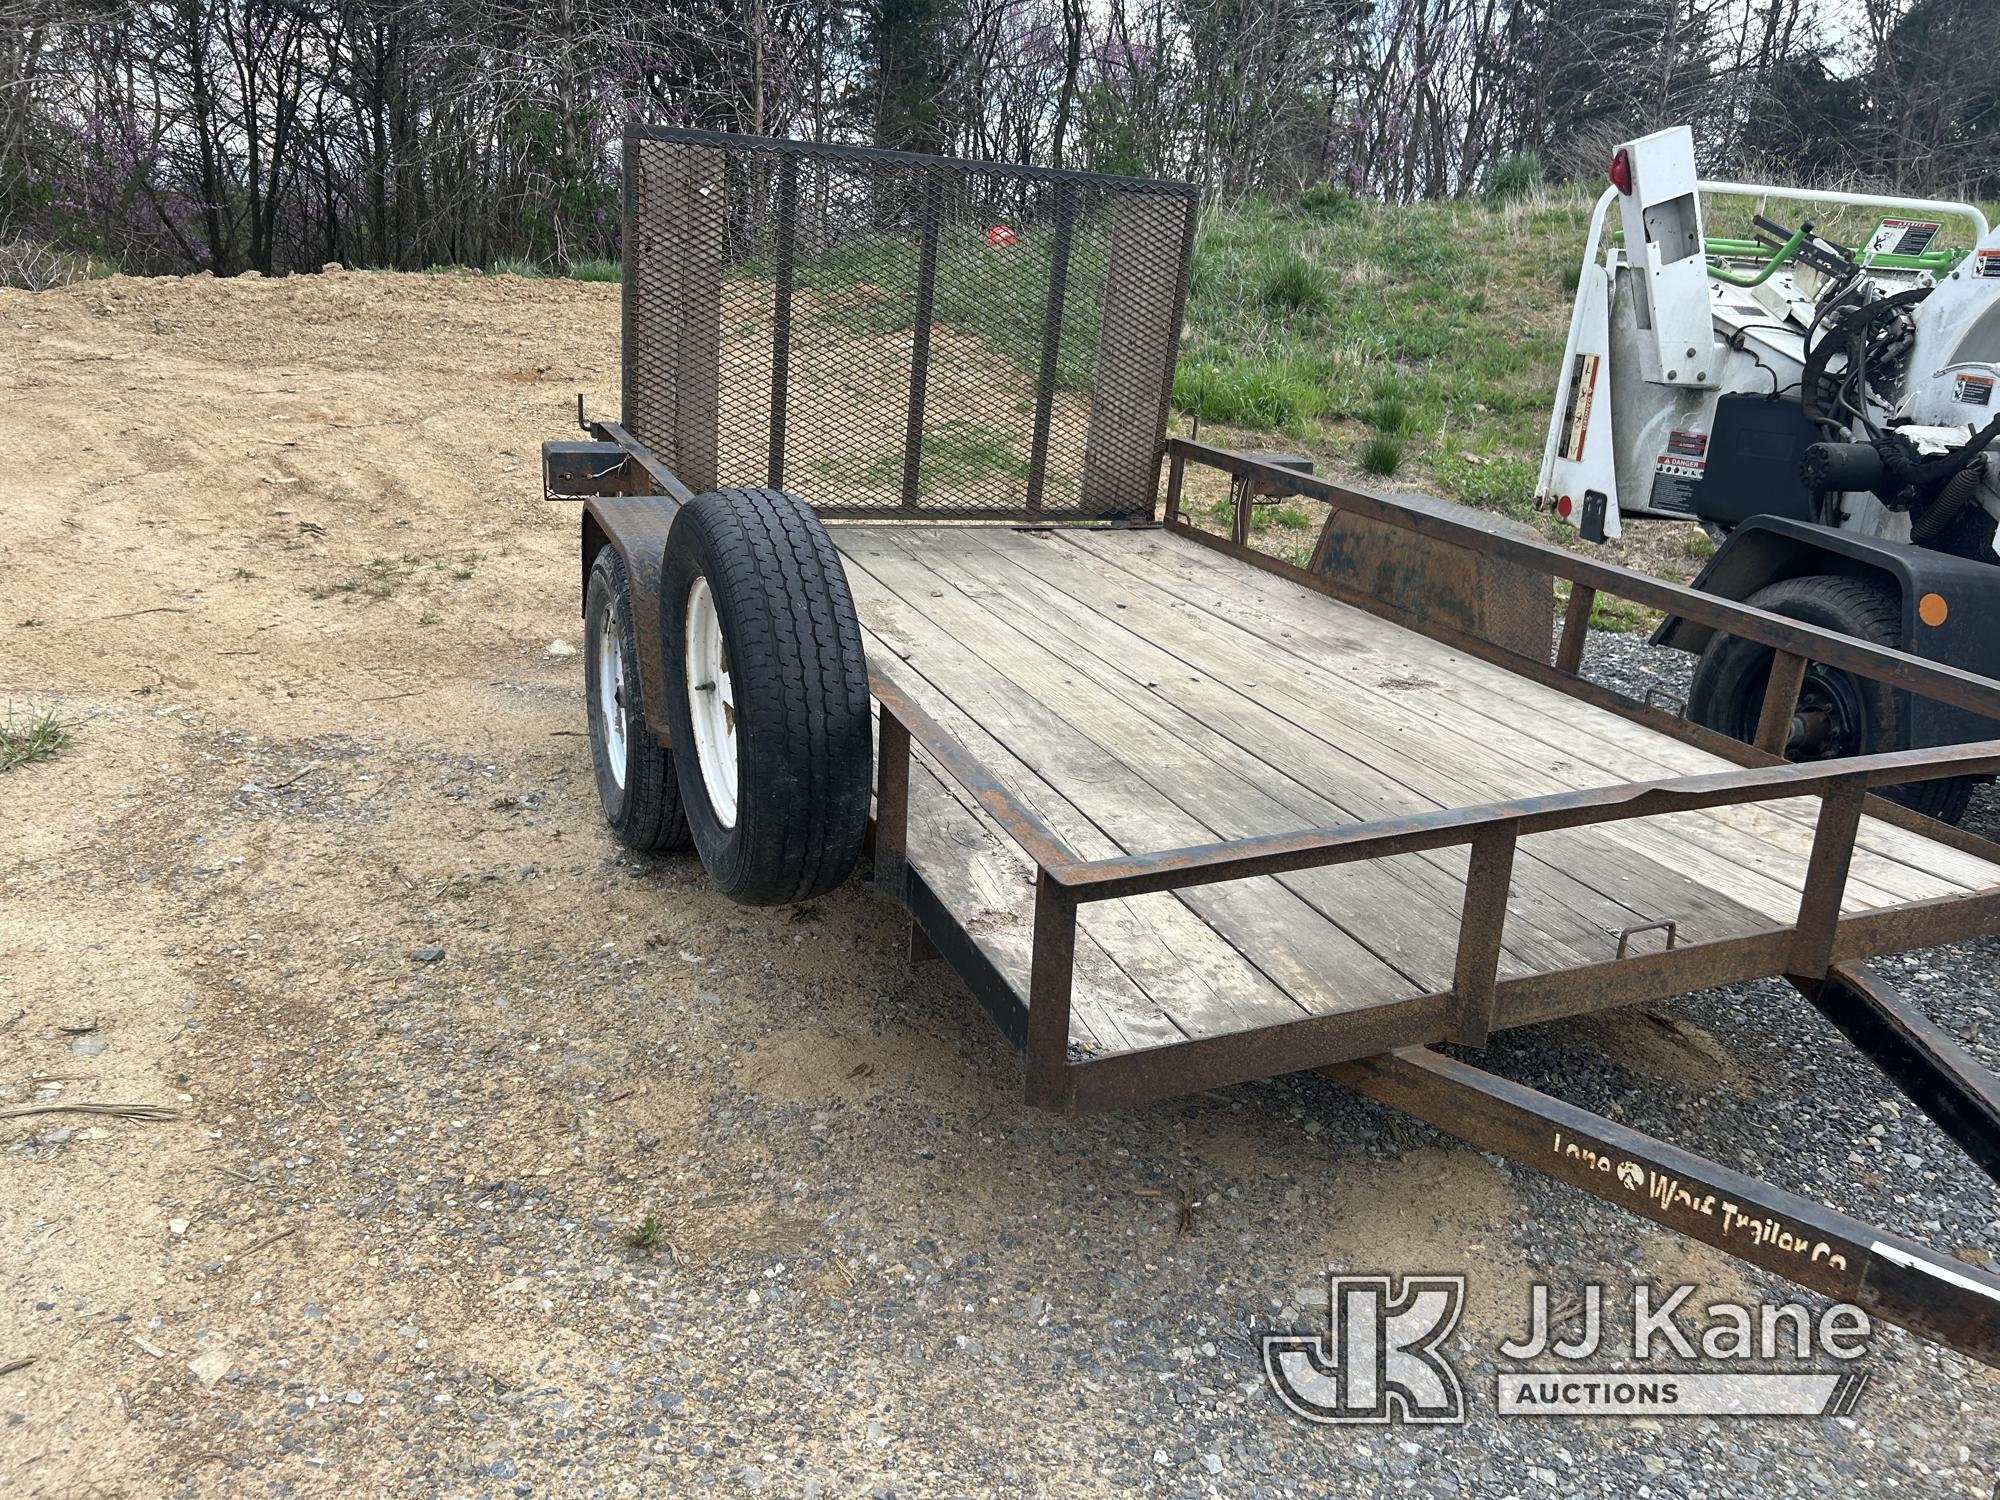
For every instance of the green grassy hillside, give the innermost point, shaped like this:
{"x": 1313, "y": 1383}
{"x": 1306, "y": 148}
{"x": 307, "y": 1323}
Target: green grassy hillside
{"x": 1415, "y": 343}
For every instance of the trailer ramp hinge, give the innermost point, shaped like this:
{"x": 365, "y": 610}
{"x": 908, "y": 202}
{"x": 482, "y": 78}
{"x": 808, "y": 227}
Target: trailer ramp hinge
{"x": 1671, "y": 929}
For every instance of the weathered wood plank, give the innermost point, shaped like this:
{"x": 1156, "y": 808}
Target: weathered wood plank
{"x": 1325, "y": 758}
{"x": 1310, "y": 960}
{"x": 1635, "y": 862}
{"x": 1474, "y": 702}
{"x": 1195, "y": 980}
{"x": 988, "y": 885}
{"x": 1296, "y": 611}
{"x": 1156, "y": 789}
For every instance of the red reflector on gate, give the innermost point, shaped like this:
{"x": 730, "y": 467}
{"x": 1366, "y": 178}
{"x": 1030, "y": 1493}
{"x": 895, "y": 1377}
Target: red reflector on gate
{"x": 1563, "y": 507}
{"x": 1621, "y": 172}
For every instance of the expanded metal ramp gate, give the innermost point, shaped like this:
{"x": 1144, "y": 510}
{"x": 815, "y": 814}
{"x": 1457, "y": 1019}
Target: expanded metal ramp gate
{"x": 894, "y": 334}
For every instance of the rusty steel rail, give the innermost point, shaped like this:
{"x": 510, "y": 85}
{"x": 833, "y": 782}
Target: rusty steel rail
{"x": 1884, "y": 1274}
{"x": 1280, "y": 853}
{"x": 1479, "y": 1000}
{"x": 1937, "y": 1075}
{"x": 1793, "y": 640}
{"x": 663, "y": 479}
{"x": 906, "y": 721}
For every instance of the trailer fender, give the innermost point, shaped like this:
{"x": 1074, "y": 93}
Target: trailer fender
{"x": 636, "y": 526}
{"x": 1948, "y": 604}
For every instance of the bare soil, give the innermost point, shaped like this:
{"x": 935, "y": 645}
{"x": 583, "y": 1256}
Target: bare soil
{"x": 503, "y": 1162}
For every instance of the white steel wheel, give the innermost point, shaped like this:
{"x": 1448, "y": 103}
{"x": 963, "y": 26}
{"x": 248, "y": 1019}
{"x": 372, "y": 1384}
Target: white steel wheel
{"x": 610, "y": 693}
{"x": 768, "y": 693}
{"x": 636, "y": 782}
{"x": 711, "y": 702}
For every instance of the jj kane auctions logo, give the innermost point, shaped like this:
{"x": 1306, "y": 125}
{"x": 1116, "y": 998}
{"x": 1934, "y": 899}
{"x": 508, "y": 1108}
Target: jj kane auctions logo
{"x": 1382, "y": 1358}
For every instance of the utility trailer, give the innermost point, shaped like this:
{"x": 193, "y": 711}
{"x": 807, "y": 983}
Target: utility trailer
{"x": 1178, "y": 813}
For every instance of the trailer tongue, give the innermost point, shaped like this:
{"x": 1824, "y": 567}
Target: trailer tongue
{"x": 1179, "y": 814}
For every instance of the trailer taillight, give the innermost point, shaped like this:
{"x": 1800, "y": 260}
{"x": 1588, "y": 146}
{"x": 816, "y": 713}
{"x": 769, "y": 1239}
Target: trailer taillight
{"x": 1621, "y": 172}
{"x": 1564, "y": 507}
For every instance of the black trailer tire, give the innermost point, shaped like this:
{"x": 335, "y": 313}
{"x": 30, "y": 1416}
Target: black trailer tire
{"x": 767, "y": 695}
{"x": 636, "y": 784}
{"x": 1867, "y": 717}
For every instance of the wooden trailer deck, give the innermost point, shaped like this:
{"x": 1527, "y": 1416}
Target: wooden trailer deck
{"x": 1140, "y": 692}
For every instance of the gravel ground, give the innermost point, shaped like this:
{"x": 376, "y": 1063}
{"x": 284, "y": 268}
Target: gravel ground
{"x": 506, "y": 1164}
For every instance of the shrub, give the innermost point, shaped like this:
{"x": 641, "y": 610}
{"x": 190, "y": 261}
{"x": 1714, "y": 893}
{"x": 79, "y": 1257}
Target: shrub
{"x": 1515, "y": 175}
{"x": 1391, "y": 414}
{"x": 23, "y": 741}
{"x": 34, "y": 266}
{"x": 1325, "y": 201}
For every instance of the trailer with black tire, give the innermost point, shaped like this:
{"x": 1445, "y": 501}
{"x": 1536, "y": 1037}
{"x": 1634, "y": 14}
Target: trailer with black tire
{"x": 877, "y": 571}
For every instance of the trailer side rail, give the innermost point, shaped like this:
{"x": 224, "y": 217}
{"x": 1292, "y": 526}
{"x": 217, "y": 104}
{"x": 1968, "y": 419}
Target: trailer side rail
{"x": 1795, "y": 642}
{"x": 1479, "y": 1001}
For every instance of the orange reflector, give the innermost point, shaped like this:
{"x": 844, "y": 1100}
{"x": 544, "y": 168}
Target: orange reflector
{"x": 1932, "y": 609}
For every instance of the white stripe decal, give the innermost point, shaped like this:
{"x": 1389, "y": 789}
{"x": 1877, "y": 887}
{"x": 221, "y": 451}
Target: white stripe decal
{"x": 1931, "y": 1268}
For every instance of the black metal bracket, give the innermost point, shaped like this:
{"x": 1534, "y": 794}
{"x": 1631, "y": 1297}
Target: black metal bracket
{"x": 1937, "y": 1075}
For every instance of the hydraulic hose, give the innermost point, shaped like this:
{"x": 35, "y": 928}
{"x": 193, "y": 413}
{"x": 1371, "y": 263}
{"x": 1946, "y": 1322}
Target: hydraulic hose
{"x": 1957, "y": 493}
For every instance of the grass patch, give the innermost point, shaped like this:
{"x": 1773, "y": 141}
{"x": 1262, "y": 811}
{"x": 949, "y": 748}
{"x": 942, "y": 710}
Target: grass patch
{"x": 647, "y": 1235}
{"x": 1381, "y": 455}
{"x": 1440, "y": 328}
{"x": 1325, "y": 201}
{"x": 25, "y": 740}
{"x": 385, "y": 577}
{"x": 955, "y": 453}
{"x": 1293, "y": 284}
{"x": 596, "y": 270}
{"x": 1281, "y": 394}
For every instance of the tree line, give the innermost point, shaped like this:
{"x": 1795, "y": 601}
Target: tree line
{"x": 174, "y": 135}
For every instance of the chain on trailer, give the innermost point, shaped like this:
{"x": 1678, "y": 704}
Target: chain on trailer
{"x": 895, "y": 334}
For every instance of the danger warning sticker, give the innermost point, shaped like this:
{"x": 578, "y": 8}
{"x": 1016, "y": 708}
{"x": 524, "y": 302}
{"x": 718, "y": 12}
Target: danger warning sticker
{"x": 1986, "y": 263}
{"x": 1972, "y": 390}
{"x": 1902, "y": 237}
{"x": 1677, "y": 477}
